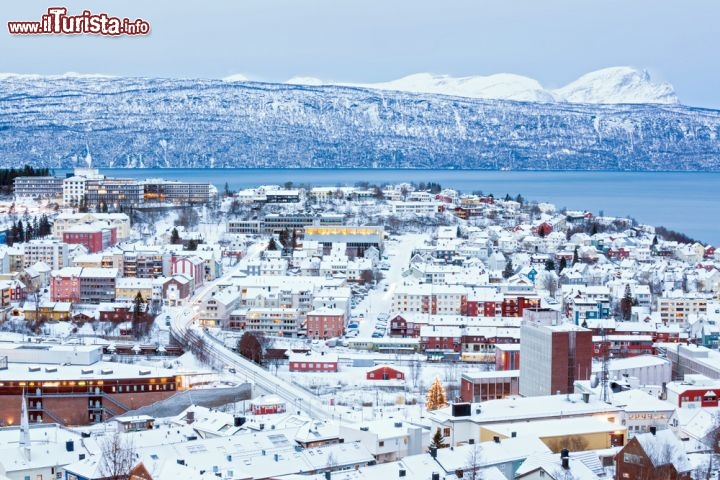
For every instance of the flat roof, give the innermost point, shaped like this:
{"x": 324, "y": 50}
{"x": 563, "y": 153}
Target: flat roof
{"x": 50, "y": 373}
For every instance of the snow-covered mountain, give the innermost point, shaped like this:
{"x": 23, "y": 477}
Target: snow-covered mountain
{"x": 610, "y": 85}
{"x": 145, "y": 122}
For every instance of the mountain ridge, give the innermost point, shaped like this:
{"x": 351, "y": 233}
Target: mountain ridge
{"x": 146, "y": 122}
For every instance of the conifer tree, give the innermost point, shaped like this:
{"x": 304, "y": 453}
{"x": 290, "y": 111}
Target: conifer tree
{"x": 438, "y": 440}
{"x": 563, "y": 264}
{"x": 626, "y": 304}
{"x": 436, "y": 396}
{"x": 174, "y": 236}
{"x": 509, "y": 269}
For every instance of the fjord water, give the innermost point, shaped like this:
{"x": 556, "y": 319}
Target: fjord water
{"x": 688, "y": 202}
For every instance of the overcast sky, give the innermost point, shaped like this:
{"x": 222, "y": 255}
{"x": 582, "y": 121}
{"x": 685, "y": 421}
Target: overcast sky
{"x": 552, "y": 41}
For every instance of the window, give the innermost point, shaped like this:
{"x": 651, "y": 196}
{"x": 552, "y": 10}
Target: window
{"x": 381, "y": 443}
{"x": 631, "y": 458}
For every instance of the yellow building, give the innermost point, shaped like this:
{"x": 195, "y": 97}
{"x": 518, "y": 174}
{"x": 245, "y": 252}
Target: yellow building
{"x": 575, "y": 434}
{"x": 127, "y": 288}
{"x": 57, "y": 311}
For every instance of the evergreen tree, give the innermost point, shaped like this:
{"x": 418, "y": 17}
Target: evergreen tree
{"x": 436, "y": 396}
{"x": 138, "y": 321}
{"x": 563, "y": 264}
{"x": 438, "y": 440}
{"x": 20, "y": 236}
{"x": 509, "y": 269}
{"x": 272, "y": 245}
{"x": 192, "y": 245}
{"x": 174, "y": 237}
{"x": 626, "y": 304}
{"x": 550, "y": 265}
{"x": 227, "y": 190}
{"x": 576, "y": 257}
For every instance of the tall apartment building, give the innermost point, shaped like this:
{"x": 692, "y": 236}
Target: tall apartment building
{"x": 553, "y": 355}
{"x": 38, "y": 187}
{"x": 83, "y": 285}
{"x": 113, "y": 193}
{"x": 676, "y": 309}
{"x": 146, "y": 263}
{"x": 52, "y": 252}
{"x": 97, "y": 285}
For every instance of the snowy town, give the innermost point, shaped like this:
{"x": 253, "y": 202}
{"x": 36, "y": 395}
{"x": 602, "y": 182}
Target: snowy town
{"x": 163, "y": 329}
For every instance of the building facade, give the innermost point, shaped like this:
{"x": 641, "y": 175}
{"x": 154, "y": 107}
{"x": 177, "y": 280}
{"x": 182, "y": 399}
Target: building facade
{"x": 553, "y": 357}
{"x": 38, "y": 187}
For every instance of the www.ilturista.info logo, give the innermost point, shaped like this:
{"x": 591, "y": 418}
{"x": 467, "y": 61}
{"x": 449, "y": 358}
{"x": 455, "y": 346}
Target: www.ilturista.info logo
{"x": 58, "y": 22}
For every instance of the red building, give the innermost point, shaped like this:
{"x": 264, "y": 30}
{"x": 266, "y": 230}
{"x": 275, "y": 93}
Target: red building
{"x": 402, "y": 328}
{"x": 654, "y": 455}
{"x": 514, "y": 306}
{"x": 268, "y": 405}
{"x": 120, "y": 312}
{"x": 621, "y": 346}
{"x": 95, "y": 239}
{"x": 440, "y": 339}
{"x": 384, "y": 372}
{"x": 313, "y": 362}
{"x": 554, "y": 356}
{"x": 507, "y": 356}
{"x": 81, "y": 394}
{"x": 479, "y": 386}
{"x": 325, "y": 323}
{"x": 694, "y": 391}
{"x": 65, "y": 285}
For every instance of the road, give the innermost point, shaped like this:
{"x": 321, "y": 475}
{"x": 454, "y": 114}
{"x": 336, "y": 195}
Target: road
{"x": 379, "y": 299}
{"x": 184, "y": 328}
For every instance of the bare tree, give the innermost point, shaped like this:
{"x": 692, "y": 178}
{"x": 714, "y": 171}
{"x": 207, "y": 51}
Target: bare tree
{"x": 549, "y": 282}
{"x": 471, "y": 470}
{"x": 415, "y": 372}
{"x": 118, "y": 457}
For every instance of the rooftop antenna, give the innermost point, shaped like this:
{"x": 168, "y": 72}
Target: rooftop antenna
{"x": 605, "y": 374}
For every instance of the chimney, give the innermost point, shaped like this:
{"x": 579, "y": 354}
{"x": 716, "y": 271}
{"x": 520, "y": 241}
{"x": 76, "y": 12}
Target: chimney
{"x": 327, "y": 475}
{"x": 435, "y": 476}
{"x": 586, "y": 397}
{"x": 565, "y": 458}
{"x": 513, "y": 434}
{"x": 433, "y": 452}
{"x": 496, "y": 439}
{"x": 653, "y": 430}
{"x": 190, "y": 417}
{"x": 402, "y": 472}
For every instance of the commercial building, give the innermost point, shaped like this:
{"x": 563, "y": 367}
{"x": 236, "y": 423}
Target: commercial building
{"x": 355, "y": 239}
{"x": 481, "y": 386}
{"x": 71, "y": 386}
{"x": 113, "y": 193}
{"x": 180, "y": 193}
{"x": 554, "y": 355}
{"x": 38, "y": 187}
